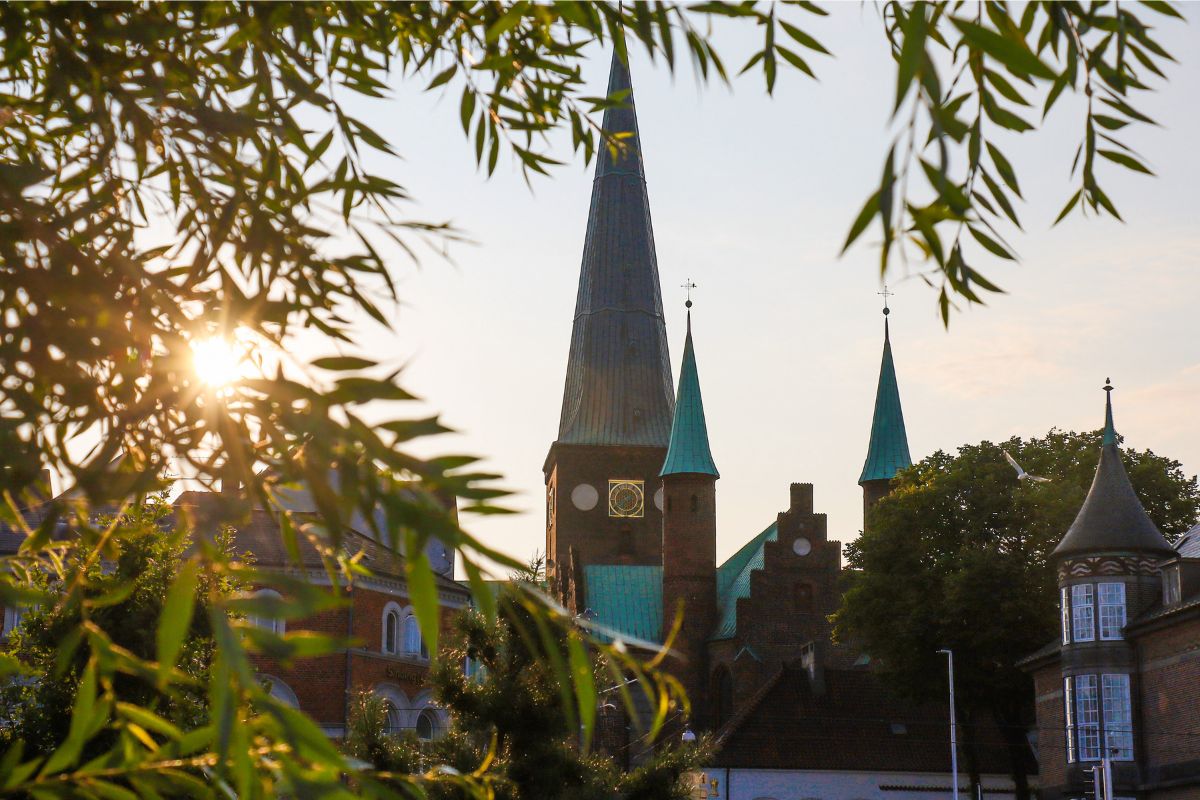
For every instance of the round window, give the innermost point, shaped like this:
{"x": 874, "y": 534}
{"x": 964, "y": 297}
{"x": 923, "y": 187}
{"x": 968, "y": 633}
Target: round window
{"x": 802, "y": 546}
{"x": 584, "y": 497}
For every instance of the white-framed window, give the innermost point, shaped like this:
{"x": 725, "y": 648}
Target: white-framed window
{"x": 265, "y": 620}
{"x": 390, "y": 640}
{"x": 1065, "y": 601}
{"x": 1087, "y": 717}
{"x": 1118, "y": 717}
{"x": 12, "y": 618}
{"x": 1083, "y": 615}
{"x": 1112, "y": 610}
{"x": 1069, "y": 709}
{"x": 414, "y": 643}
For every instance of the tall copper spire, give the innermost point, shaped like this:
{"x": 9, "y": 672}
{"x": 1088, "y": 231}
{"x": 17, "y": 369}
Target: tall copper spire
{"x": 618, "y": 389}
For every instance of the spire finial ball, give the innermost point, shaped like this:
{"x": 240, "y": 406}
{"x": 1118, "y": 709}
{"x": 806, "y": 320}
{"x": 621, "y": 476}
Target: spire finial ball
{"x": 1108, "y": 387}
{"x": 688, "y": 304}
{"x": 886, "y": 311}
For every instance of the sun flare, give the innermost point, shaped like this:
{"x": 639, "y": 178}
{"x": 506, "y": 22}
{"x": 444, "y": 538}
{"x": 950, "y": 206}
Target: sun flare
{"x": 217, "y": 361}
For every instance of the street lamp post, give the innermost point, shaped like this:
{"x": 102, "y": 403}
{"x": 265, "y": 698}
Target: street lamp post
{"x": 953, "y": 726}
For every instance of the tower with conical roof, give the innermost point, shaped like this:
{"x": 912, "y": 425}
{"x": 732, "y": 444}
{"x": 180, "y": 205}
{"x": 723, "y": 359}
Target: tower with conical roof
{"x": 1108, "y": 574}
{"x": 689, "y": 532}
{"x": 887, "y": 453}
{"x": 602, "y": 486}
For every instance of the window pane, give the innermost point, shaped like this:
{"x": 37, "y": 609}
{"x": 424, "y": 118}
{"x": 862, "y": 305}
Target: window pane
{"x": 1066, "y": 616}
{"x": 389, "y": 634}
{"x": 425, "y": 726}
{"x": 412, "y": 635}
{"x": 1087, "y": 717}
{"x": 1083, "y": 621}
{"x": 1112, "y": 610}
{"x": 1118, "y": 717}
{"x": 1069, "y": 708}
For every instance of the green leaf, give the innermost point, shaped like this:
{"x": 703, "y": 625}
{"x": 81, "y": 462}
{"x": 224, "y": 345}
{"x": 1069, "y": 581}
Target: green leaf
{"x": 585, "y": 687}
{"x": 802, "y": 38}
{"x": 1125, "y": 160}
{"x": 990, "y": 244}
{"x": 442, "y": 77}
{"x": 1015, "y": 55}
{"x": 869, "y": 210}
{"x": 1067, "y": 208}
{"x": 915, "y": 27}
{"x": 423, "y": 592}
{"x": 1007, "y": 173}
{"x": 342, "y": 363}
{"x": 176, "y": 617}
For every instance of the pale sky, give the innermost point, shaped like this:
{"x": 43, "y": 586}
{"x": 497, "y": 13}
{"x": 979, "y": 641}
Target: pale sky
{"x": 751, "y": 198}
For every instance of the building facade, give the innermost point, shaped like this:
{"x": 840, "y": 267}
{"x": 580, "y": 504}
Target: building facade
{"x": 1121, "y": 687}
{"x": 631, "y": 498}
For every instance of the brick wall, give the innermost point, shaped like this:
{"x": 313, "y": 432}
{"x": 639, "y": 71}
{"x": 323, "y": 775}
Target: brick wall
{"x": 1051, "y": 722}
{"x": 1169, "y": 662}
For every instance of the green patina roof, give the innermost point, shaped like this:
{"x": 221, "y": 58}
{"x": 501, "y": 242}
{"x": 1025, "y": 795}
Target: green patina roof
{"x": 689, "y": 451}
{"x": 626, "y": 599}
{"x": 888, "y": 451}
{"x": 733, "y": 580}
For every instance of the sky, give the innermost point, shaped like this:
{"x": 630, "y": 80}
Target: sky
{"x": 751, "y": 198}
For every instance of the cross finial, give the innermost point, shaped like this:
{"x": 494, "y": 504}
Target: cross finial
{"x": 885, "y": 294}
{"x": 688, "y": 285}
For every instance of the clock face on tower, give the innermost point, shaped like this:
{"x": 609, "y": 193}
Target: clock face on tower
{"x": 626, "y": 498}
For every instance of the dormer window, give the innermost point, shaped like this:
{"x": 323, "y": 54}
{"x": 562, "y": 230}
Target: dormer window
{"x": 1172, "y": 586}
{"x": 1083, "y": 615}
{"x": 1112, "y": 610}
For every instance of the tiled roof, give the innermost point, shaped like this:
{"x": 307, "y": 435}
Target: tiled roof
{"x": 1188, "y": 545}
{"x": 626, "y": 599}
{"x": 733, "y": 580}
{"x": 689, "y": 451}
{"x": 888, "y": 451}
{"x": 856, "y": 724}
{"x": 1112, "y": 517}
{"x": 618, "y": 388}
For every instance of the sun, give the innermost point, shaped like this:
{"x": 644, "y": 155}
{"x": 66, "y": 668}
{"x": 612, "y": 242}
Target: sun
{"x": 217, "y": 361}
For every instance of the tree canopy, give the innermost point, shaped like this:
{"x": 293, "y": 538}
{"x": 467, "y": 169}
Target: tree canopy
{"x": 958, "y": 557}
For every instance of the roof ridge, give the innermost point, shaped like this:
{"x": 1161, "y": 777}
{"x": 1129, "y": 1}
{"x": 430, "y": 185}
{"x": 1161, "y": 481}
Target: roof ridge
{"x": 735, "y": 722}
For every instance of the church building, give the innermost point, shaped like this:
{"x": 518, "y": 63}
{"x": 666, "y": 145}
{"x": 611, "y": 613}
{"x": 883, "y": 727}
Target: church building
{"x": 631, "y": 494}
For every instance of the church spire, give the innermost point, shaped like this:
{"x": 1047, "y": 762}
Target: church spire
{"x": 618, "y": 387}
{"x": 888, "y": 451}
{"x": 689, "y": 452}
{"x": 1112, "y": 518}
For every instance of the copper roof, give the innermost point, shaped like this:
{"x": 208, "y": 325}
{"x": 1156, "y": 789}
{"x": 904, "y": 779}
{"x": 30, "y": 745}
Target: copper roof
{"x": 618, "y": 387}
{"x": 888, "y": 451}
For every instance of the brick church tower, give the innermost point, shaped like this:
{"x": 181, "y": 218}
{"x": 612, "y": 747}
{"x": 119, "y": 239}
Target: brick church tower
{"x": 603, "y": 492}
{"x": 689, "y": 533}
{"x": 888, "y": 452}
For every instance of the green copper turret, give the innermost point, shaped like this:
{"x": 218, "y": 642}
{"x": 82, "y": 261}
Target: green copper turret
{"x": 688, "y": 452}
{"x": 888, "y": 451}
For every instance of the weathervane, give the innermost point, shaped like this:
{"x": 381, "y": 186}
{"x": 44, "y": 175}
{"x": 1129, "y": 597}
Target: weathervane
{"x": 689, "y": 286}
{"x": 885, "y": 294}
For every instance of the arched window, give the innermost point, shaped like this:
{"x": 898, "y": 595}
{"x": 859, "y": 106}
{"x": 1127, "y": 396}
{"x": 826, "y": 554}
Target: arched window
{"x": 695, "y": 503}
{"x": 414, "y": 644}
{"x": 392, "y": 721}
{"x": 392, "y": 614}
{"x": 804, "y": 598}
{"x": 425, "y": 726}
{"x": 724, "y": 694}
{"x": 265, "y": 619}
